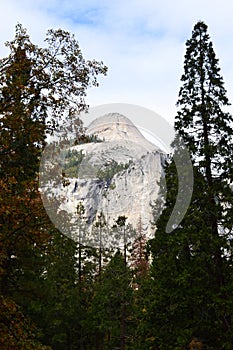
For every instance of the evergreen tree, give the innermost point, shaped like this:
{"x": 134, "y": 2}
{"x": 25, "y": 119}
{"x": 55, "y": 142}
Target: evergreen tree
{"x": 38, "y": 88}
{"x": 204, "y": 125}
{"x": 110, "y": 309}
{"x": 61, "y": 311}
{"x": 139, "y": 259}
{"x": 192, "y": 265}
{"x": 17, "y": 331}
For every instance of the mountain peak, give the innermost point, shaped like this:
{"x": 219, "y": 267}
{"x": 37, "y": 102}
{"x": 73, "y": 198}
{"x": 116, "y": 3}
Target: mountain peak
{"x": 111, "y": 118}
{"x": 114, "y": 126}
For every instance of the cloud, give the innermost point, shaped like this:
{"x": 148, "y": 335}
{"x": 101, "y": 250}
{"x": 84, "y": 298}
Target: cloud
{"x": 142, "y": 43}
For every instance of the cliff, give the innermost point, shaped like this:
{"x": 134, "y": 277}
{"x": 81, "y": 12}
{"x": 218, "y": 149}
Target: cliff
{"x": 118, "y": 176}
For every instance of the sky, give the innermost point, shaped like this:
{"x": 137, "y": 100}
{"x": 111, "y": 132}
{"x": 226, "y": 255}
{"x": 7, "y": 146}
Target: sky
{"x": 141, "y": 41}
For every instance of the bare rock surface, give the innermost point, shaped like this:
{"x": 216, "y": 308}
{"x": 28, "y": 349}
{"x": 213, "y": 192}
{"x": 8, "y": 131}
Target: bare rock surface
{"x": 118, "y": 176}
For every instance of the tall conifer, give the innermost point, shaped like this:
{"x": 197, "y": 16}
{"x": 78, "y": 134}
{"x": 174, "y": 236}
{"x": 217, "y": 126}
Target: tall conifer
{"x": 192, "y": 265}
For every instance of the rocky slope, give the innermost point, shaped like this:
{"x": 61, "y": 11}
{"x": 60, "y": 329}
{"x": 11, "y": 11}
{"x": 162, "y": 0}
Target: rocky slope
{"x": 118, "y": 176}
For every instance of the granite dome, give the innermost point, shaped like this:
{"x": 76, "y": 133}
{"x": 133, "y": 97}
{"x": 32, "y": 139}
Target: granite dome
{"x": 114, "y": 126}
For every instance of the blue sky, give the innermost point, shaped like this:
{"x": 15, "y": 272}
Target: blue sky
{"x": 142, "y": 42}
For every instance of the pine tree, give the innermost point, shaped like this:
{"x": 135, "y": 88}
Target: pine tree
{"x": 204, "y": 125}
{"x": 38, "y": 88}
{"x": 192, "y": 265}
{"x": 61, "y": 310}
{"x": 208, "y": 132}
{"x": 17, "y": 331}
{"x": 139, "y": 259}
{"x": 111, "y": 306}
{"x": 21, "y": 140}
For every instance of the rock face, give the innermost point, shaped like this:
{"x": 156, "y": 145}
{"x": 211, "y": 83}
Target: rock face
{"x": 118, "y": 176}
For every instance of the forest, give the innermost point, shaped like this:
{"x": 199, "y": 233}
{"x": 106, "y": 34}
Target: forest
{"x": 172, "y": 292}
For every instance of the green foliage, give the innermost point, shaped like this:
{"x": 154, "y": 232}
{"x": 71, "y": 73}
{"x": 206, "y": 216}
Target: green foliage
{"x": 87, "y": 139}
{"x": 17, "y": 331}
{"x": 62, "y": 293}
{"x": 77, "y": 164}
{"x": 201, "y": 120}
{"x": 112, "y": 186}
{"x": 111, "y": 305}
{"x": 61, "y": 313}
{"x": 109, "y": 170}
{"x": 38, "y": 88}
{"x": 73, "y": 159}
{"x": 192, "y": 265}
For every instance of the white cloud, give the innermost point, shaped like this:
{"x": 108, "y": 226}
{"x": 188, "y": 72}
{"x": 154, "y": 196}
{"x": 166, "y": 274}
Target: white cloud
{"x": 141, "y": 42}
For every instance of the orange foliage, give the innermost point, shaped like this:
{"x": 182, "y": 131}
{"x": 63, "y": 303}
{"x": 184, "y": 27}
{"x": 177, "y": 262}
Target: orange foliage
{"x": 195, "y": 345}
{"x": 16, "y": 331}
